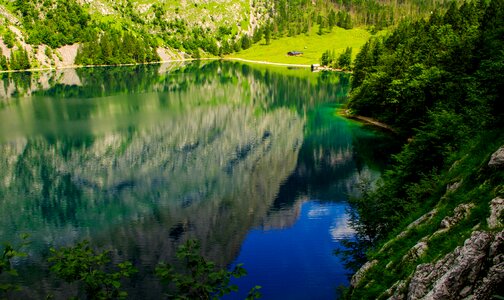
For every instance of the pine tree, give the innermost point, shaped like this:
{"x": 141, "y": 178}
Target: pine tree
{"x": 345, "y": 59}
{"x": 258, "y": 33}
{"x": 3, "y": 61}
{"x": 331, "y": 19}
{"x": 267, "y": 34}
{"x": 245, "y": 42}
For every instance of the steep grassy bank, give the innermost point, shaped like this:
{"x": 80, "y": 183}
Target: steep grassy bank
{"x": 458, "y": 205}
{"x": 434, "y": 224}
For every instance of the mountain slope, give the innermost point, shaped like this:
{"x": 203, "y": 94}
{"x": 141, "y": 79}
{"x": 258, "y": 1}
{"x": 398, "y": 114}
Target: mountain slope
{"x": 169, "y": 29}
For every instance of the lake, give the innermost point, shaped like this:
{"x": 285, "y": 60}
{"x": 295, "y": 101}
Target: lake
{"x": 250, "y": 160}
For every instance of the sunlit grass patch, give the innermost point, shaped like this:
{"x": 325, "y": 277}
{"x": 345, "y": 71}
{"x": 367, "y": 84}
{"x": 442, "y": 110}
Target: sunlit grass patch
{"x": 312, "y": 46}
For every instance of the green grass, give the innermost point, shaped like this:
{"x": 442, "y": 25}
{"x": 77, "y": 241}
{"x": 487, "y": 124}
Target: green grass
{"x": 480, "y": 184}
{"x": 312, "y": 46}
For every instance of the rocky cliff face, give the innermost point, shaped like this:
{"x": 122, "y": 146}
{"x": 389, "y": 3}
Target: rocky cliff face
{"x": 237, "y": 16}
{"x": 473, "y": 271}
{"x": 433, "y": 268}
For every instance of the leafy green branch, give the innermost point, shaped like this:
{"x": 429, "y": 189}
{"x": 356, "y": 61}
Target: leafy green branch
{"x": 82, "y": 264}
{"x": 9, "y": 253}
{"x": 199, "y": 278}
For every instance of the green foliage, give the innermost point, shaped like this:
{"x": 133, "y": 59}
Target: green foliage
{"x": 3, "y": 62}
{"x": 400, "y": 78}
{"x": 345, "y": 59}
{"x": 439, "y": 82}
{"x": 8, "y": 253}
{"x": 327, "y": 58}
{"x": 479, "y": 184}
{"x": 296, "y": 17}
{"x": 9, "y": 38}
{"x": 254, "y": 293}
{"x": 200, "y": 279}
{"x": 245, "y": 42}
{"x": 19, "y": 60}
{"x": 258, "y": 35}
{"x": 195, "y": 278}
{"x": 82, "y": 264}
{"x": 267, "y": 34}
{"x": 344, "y": 20}
{"x": 63, "y": 22}
{"x": 113, "y": 48}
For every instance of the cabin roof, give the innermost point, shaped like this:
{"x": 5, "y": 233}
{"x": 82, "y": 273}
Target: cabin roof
{"x": 294, "y": 53}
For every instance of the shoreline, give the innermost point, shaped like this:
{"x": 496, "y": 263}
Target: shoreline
{"x": 98, "y": 66}
{"x": 260, "y": 62}
{"x": 346, "y": 114}
{"x": 178, "y": 60}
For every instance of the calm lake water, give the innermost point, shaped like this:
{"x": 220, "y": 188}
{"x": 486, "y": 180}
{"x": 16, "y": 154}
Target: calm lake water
{"x": 250, "y": 160}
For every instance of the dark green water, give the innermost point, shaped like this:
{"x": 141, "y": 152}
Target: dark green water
{"x": 140, "y": 159}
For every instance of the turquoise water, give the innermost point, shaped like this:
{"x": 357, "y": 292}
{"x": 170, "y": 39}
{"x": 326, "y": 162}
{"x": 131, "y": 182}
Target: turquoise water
{"x": 250, "y": 160}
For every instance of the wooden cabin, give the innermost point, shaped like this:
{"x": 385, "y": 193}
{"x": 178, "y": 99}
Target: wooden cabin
{"x": 294, "y": 53}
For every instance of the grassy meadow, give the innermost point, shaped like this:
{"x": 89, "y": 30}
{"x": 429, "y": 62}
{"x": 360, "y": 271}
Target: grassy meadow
{"x": 312, "y": 46}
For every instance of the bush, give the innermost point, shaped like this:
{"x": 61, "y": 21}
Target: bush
{"x": 199, "y": 278}
{"x": 82, "y": 264}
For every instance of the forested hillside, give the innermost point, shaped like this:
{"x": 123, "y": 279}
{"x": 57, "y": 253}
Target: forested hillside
{"x": 439, "y": 83}
{"x": 117, "y": 32}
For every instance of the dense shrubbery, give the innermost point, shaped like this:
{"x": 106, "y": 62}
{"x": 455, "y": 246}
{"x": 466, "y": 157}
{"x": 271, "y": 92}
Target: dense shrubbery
{"x": 343, "y": 61}
{"x": 64, "y": 22}
{"x": 19, "y": 60}
{"x": 438, "y": 82}
{"x": 99, "y": 278}
{"x": 297, "y": 17}
{"x": 8, "y": 253}
{"x": 113, "y": 48}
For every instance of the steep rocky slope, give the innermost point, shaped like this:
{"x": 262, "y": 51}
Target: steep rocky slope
{"x": 454, "y": 251}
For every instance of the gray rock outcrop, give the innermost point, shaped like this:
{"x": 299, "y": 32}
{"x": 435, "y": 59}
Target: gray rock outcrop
{"x": 497, "y": 158}
{"x": 416, "y": 251}
{"x": 496, "y": 208}
{"x": 459, "y": 213}
{"x": 357, "y": 278}
{"x": 471, "y": 271}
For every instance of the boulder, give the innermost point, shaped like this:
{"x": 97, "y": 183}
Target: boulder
{"x": 359, "y": 275}
{"x": 453, "y": 186}
{"x": 472, "y": 271}
{"x": 497, "y": 158}
{"x": 396, "y": 292}
{"x": 459, "y": 213}
{"x": 416, "y": 251}
{"x": 496, "y": 208}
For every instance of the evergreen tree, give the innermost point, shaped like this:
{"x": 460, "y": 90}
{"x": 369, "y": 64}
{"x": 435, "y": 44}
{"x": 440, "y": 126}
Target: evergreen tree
{"x": 345, "y": 59}
{"x": 326, "y": 58}
{"x": 245, "y": 42}
{"x": 258, "y": 33}
{"x": 19, "y": 60}
{"x": 237, "y": 46}
{"x": 3, "y": 62}
{"x": 331, "y": 19}
{"x": 267, "y": 34}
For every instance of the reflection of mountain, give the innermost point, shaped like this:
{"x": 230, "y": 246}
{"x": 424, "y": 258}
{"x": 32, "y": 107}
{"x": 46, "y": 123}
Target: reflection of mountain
{"x": 266, "y": 87}
{"x": 332, "y": 162}
{"x": 142, "y": 173}
{"x": 139, "y": 159}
